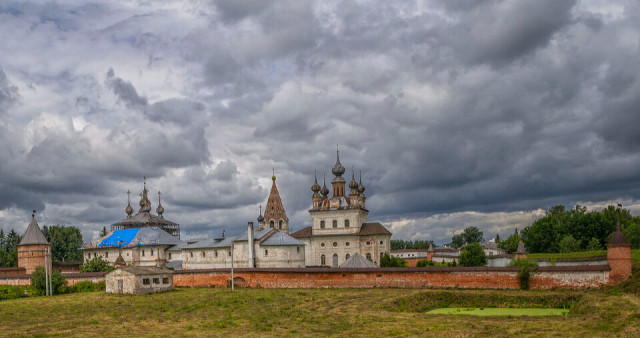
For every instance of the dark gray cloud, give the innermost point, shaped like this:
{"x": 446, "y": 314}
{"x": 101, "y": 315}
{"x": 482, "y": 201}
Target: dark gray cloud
{"x": 458, "y": 112}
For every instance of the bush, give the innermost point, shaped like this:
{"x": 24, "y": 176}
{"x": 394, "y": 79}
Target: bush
{"x": 569, "y": 244}
{"x": 524, "y": 275}
{"x": 96, "y": 264}
{"x": 387, "y": 261}
{"x": 473, "y": 255}
{"x": 423, "y": 263}
{"x": 86, "y": 286}
{"x": 14, "y": 292}
{"x": 38, "y": 281}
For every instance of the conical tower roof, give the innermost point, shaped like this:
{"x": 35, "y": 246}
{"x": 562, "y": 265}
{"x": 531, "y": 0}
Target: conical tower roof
{"x": 520, "y": 249}
{"x": 274, "y": 209}
{"x": 33, "y": 235}
{"x": 357, "y": 261}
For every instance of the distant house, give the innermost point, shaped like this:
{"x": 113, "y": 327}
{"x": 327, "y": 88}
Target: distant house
{"x": 139, "y": 280}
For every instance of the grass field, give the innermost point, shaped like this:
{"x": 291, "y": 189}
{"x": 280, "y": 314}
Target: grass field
{"x": 318, "y": 312}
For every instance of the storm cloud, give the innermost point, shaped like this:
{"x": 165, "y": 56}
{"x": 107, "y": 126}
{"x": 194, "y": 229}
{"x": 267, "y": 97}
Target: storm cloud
{"x": 458, "y": 113}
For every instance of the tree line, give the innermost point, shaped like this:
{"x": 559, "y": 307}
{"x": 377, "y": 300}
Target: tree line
{"x": 65, "y": 242}
{"x": 562, "y": 230}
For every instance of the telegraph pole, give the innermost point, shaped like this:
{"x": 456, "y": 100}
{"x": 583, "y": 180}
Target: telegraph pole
{"x": 232, "y": 289}
{"x": 46, "y": 273}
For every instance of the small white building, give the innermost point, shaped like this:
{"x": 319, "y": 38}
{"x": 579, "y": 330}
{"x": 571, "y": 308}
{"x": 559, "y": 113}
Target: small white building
{"x": 139, "y": 280}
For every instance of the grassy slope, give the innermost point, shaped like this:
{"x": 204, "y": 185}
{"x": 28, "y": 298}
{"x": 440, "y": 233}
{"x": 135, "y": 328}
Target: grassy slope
{"x": 300, "y": 312}
{"x": 581, "y": 254}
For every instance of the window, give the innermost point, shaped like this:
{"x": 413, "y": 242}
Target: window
{"x": 347, "y": 256}
{"x": 229, "y": 253}
{"x": 169, "y": 255}
{"x": 94, "y": 255}
{"x": 335, "y": 260}
{"x": 215, "y": 253}
{"x": 323, "y": 260}
{"x": 191, "y": 253}
{"x": 89, "y": 256}
{"x": 145, "y": 281}
{"x": 165, "y": 280}
{"x": 334, "y": 223}
{"x": 347, "y": 243}
{"x": 280, "y": 225}
{"x": 346, "y": 223}
{"x": 368, "y": 243}
{"x": 369, "y": 257}
{"x": 142, "y": 253}
{"x": 203, "y": 254}
{"x": 151, "y": 252}
{"x": 106, "y": 254}
{"x": 266, "y": 252}
{"x": 321, "y": 224}
{"x": 322, "y": 245}
{"x": 271, "y": 223}
{"x": 381, "y": 242}
{"x": 297, "y": 249}
{"x": 335, "y": 244}
{"x": 156, "y": 281}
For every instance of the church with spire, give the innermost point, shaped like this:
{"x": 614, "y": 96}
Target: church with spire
{"x": 339, "y": 226}
{"x": 274, "y": 215}
{"x": 144, "y": 217}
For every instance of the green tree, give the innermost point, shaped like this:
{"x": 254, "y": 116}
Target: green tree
{"x": 387, "y": 261}
{"x": 9, "y": 257}
{"x": 473, "y": 255}
{"x": 594, "y": 245}
{"x": 65, "y": 242}
{"x": 97, "y": 264}
{"x": 632, "y": 233}
{"x": 510, "y": 244}
{"x": 103, "y": 232}
{"x": 472, "y": 235}
{"x": 497, "y": 240}
{"x": 38, "y": 280}
{"x": 457, "y": 240}
{"x": 568, "y": 244}
{"x": 424, "y": 263}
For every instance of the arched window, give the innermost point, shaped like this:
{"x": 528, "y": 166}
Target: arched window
{"x": 335, "y": 260}
{"x": 322, "y": 244}
{"x": 346, "y": 257}
{"x": 369, "y": 257}
{"x": 381, "y": 242}
{"x": 335, "y": 223}
{"x": 151, "y": 252}
{"x": 346, "y": 223}
{"x": 272, "y": 223}
{"x": 321, "y": 224}
{"x": 323, "y": 260}
{"x": 266, "y": 252}
{"x": 202, "y": 253}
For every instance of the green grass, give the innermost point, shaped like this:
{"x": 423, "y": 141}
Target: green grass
{"x": 635, "y": 256}
{"x": 498, "y": 311}
{"x": 581, "y": 254}
{"x": 316, "y": 312}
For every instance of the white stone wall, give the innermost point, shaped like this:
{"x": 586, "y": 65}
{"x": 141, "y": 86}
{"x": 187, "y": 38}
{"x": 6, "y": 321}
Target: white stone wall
{"x": 362, "y": 244}
{"x": 277, "y": 257}
{"x": 356, "y": 218}
{"x": 410, "y": 254}
{"x": 132, "y": 255}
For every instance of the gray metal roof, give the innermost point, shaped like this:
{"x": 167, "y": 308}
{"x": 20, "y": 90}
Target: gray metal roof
{"x": 33, "y": 235}
{"x": 280, "y": 238}
{"x": 178, "y": 246}
{"x": 257, "y": 234}
{"x": 357, "y": 261}
{"x": 153, "y": 236}
{"x": 176, "y": 265}
{"x": 211, "y": 243}
{"x": 143, "y": 270}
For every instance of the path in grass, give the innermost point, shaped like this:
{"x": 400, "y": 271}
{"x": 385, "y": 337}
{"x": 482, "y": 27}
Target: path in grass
{"x": 298, "y": 312}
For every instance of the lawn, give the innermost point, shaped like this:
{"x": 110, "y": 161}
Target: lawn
{"x": 318, "y": 312}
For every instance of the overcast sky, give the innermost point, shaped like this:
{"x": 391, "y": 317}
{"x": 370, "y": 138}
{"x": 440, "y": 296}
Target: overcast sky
{"x": 458, "y": 113}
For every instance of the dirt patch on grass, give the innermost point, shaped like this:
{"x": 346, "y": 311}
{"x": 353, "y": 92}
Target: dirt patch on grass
{"x": 426, "y": 301}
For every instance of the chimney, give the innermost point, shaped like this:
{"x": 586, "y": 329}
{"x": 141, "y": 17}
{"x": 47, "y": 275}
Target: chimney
{"x": 250, "y": 244}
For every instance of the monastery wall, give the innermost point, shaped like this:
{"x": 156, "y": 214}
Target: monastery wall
{"x": 432, "y": 277}
{"x": 72, "y": 278}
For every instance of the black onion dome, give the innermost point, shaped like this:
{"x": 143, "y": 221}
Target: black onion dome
{"x": 338, "y": 169}
{"x": 353, "y": 184}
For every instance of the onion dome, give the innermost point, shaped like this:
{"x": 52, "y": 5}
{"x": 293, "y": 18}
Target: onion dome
{"x": 315, "y": 187}
{"x": 159, "y": 209}
{"x": 260, "y": 218}
{"x": 128, "y": 209}
{"x": 338, "y": 169}
{"x": 353, "y": 185}
{"x": 324, "y": 191}
{"x": 361, "y": 187}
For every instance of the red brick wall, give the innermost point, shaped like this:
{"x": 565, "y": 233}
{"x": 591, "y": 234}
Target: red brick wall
{"x": 494, "y": 278}
{"x": 12, "y": 271}
{"x": 411, "y": 262}
{"x": 72, "y": 279}
{"x": 619, "y": 259}
{"x": 30, "y": 256}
